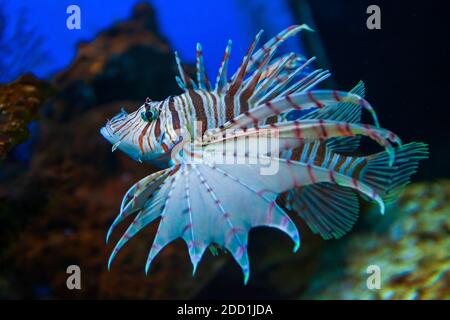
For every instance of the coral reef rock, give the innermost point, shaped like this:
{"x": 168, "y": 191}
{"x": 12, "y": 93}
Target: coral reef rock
{"x": 19, "y": 105}
{"x": 411, "y": 246}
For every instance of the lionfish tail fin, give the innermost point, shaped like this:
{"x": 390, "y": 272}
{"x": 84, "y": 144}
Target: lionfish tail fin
{"x": 389, "y": 181}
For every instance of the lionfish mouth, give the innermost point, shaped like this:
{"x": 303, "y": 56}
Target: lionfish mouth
{"x": 108, "y": 133}
{"x": 108, "y": 130}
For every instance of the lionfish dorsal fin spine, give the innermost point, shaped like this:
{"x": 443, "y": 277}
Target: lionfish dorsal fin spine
{"x": 247, "y": 89}
{"x": 202, "y": 78}
{"x": 242, "y": 71}
{"x": 300, "y": 84}
{"x": 303, "y": 85}
{"x": 272, "y": 45}
{"x": 221, "y": 79}
{"x": 276, "y": 85}
{"x": 240, "y": 91}
{"x": 184, "y": 80}
{"x": 271, "y": 73}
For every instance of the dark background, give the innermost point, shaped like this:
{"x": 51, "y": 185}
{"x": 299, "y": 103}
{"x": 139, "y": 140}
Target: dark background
{"x": 405, "y": 66}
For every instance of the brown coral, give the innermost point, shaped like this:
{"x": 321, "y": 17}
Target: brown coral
{"x": 19, "y": 105}
{"x": 413, "y": 253}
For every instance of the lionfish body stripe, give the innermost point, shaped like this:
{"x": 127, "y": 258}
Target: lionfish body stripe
{"x": 212, "y": 190}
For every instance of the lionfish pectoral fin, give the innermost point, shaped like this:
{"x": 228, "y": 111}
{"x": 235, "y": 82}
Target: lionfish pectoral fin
{"x": 135, "y": 201}
{"x": 343, "y": 112}
{"x": 328, "y": 209}
{"x": 115, "y": 146}
{"x": 298, "y": 101}
{"x": 331, "y": 210}
{"x": 205, "y": 205}
{"x": 295, "y": 133}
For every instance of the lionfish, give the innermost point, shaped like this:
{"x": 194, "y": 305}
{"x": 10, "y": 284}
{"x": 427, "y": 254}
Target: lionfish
{"x": 213, "y": 203}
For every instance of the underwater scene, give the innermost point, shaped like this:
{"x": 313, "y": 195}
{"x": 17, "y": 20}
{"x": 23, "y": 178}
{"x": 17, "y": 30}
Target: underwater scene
{"x": 242, "y": 149}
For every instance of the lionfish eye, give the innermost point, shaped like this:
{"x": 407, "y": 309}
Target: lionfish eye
{"x": 149, "y": 115}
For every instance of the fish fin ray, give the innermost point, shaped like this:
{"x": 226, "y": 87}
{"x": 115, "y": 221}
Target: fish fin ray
{"x": 202, "y": 78}
{"x": 136, "y": 197}
{"x": 328, "y": 209}
{"x": 388, "y": 180}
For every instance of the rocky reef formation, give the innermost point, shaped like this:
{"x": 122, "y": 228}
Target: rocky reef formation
{"x": 411, "y": 245}
{"x": 19, "y": 105}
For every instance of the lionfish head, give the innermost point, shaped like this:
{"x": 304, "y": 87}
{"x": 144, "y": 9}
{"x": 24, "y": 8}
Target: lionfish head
{"x": 138, "y": 134}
